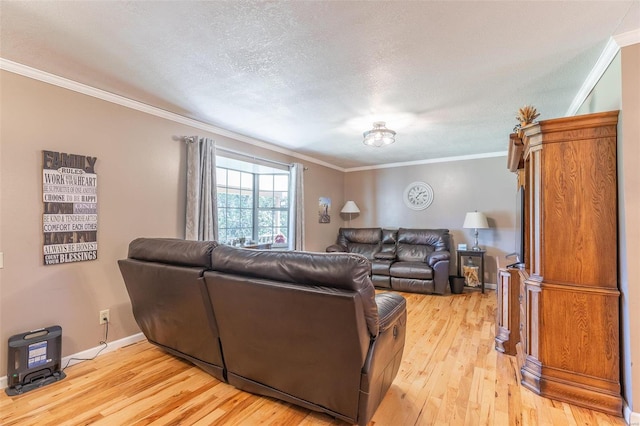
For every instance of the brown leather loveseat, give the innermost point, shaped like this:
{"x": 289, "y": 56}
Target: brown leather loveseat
{"x": 414, "y": 260}
{"x": 306, "y": 328}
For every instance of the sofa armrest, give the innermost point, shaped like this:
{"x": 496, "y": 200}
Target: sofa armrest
{"x": 390, "y": 307}
{"x": 437, "y": 256}
{"x": 385, "y": 354}
{"x": 440, "y": 276}
{"x": 385, "y": 255}
{"x": 336, "y": 248}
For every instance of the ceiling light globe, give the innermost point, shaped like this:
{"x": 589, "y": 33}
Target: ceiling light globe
{"x": 379, "y": 135}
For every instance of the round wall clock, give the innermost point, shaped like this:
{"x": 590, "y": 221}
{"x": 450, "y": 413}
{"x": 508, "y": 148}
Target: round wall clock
{"x": 418, "y": 195}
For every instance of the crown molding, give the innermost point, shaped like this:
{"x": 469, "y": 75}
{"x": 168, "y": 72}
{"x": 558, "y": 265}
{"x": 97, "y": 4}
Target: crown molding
{"x": 65, "y": 83}
{"x": 431, "y": 161}
{"x": 610, "y": 51}
{"x": 628, "y": 38}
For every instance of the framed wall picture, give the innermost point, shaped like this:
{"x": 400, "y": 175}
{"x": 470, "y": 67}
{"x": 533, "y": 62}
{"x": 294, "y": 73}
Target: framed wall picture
{"x": 70, "y": 213}
{"x": 324, "y": 210}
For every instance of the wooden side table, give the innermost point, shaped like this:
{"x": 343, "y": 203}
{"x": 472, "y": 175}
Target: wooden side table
{"x": 473, "y": 253}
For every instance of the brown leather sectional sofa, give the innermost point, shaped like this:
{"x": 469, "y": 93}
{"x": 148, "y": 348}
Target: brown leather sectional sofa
{"x": 306, "y": 328}
{"x": 414, "y": 260}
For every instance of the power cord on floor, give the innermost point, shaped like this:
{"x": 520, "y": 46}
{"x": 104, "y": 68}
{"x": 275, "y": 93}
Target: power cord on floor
{"x": 102, "y": 342}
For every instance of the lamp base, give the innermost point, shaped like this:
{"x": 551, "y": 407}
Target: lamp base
{"x": 476, "y": 247}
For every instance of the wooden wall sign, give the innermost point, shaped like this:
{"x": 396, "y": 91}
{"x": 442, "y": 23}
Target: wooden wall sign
{"x": 70, "y": 218}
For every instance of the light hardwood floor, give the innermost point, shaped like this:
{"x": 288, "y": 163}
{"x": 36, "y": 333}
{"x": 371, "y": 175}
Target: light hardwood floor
{"x": 450, "y": 375}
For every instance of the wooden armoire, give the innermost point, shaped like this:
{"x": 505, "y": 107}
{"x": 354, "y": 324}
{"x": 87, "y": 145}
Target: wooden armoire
{"x": 569, "y": 313}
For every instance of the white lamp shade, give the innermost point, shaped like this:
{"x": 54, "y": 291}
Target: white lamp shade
{"x": 476, "y": 220}
{"x": 350, "y": 207}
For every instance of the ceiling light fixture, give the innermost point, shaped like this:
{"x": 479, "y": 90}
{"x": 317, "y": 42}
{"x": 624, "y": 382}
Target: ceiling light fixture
{"x": 379, "y": 135}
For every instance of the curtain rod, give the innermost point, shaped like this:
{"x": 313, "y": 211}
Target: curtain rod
{"x": 242, "y": 154}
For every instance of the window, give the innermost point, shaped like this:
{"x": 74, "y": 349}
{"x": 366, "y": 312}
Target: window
{"x": 253, "y": 203}
{"x": 273, "y": 208}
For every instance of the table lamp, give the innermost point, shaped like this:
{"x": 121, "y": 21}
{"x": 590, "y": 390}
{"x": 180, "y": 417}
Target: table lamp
{"x": 475, "y": 220}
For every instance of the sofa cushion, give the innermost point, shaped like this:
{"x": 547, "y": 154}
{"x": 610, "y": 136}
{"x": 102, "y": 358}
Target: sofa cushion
{"x": 413, "y": 285}
{"x": 332, "y": 270}
{"x": 359, "y": 235}
{"x": 415, "y": 270}
{"x": 364, "y": 241}
{"x": 413, "y": 253}
{"x": 385, "y": 255}
{"x": 389, "y": 241}
{"x": 367, "y": 250}
{"x": 414, "y": 245}
{"x": 436, "y": 238}
{"x": 380, "y": 267}
{"x": 381, "y": 281}
{"x": 389, "y": 236}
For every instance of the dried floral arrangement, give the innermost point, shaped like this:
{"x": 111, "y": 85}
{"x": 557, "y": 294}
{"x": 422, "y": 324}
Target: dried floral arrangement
{"x": 527, "y": 114}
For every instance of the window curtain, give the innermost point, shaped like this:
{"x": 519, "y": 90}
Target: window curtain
{"x": 201, "y": 223}
{"x": 296, "y": 208}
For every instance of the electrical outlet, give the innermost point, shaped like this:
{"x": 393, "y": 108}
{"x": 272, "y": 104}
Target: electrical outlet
{"x": 104, "y": 316}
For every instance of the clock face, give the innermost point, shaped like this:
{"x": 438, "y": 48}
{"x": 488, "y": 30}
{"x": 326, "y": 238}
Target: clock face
{"x": 418, "y": 195}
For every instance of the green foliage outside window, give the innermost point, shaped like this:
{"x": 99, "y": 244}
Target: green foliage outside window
{"x": 238, "y": 215}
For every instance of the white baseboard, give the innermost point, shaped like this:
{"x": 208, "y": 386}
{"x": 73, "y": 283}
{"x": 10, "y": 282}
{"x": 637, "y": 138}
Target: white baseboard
{"x": 90, "y": 353}
{"x": 632, "y": 419}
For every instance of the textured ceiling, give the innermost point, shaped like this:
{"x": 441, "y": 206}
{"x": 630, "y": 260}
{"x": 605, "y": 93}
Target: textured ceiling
{"x": 448, "y": 77}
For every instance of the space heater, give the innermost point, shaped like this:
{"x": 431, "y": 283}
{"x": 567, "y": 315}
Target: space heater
{"x": 34, "y": 360}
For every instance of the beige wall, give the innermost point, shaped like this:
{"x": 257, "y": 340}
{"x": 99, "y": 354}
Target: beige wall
{"x": 141, "y": 191}
{"x": 629, "y": 222}
{"x": 322, "y": 182}
{"x": 459, "y": 187}
{"x": 619, "y": 88}
{"x": 607, "y": 94}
